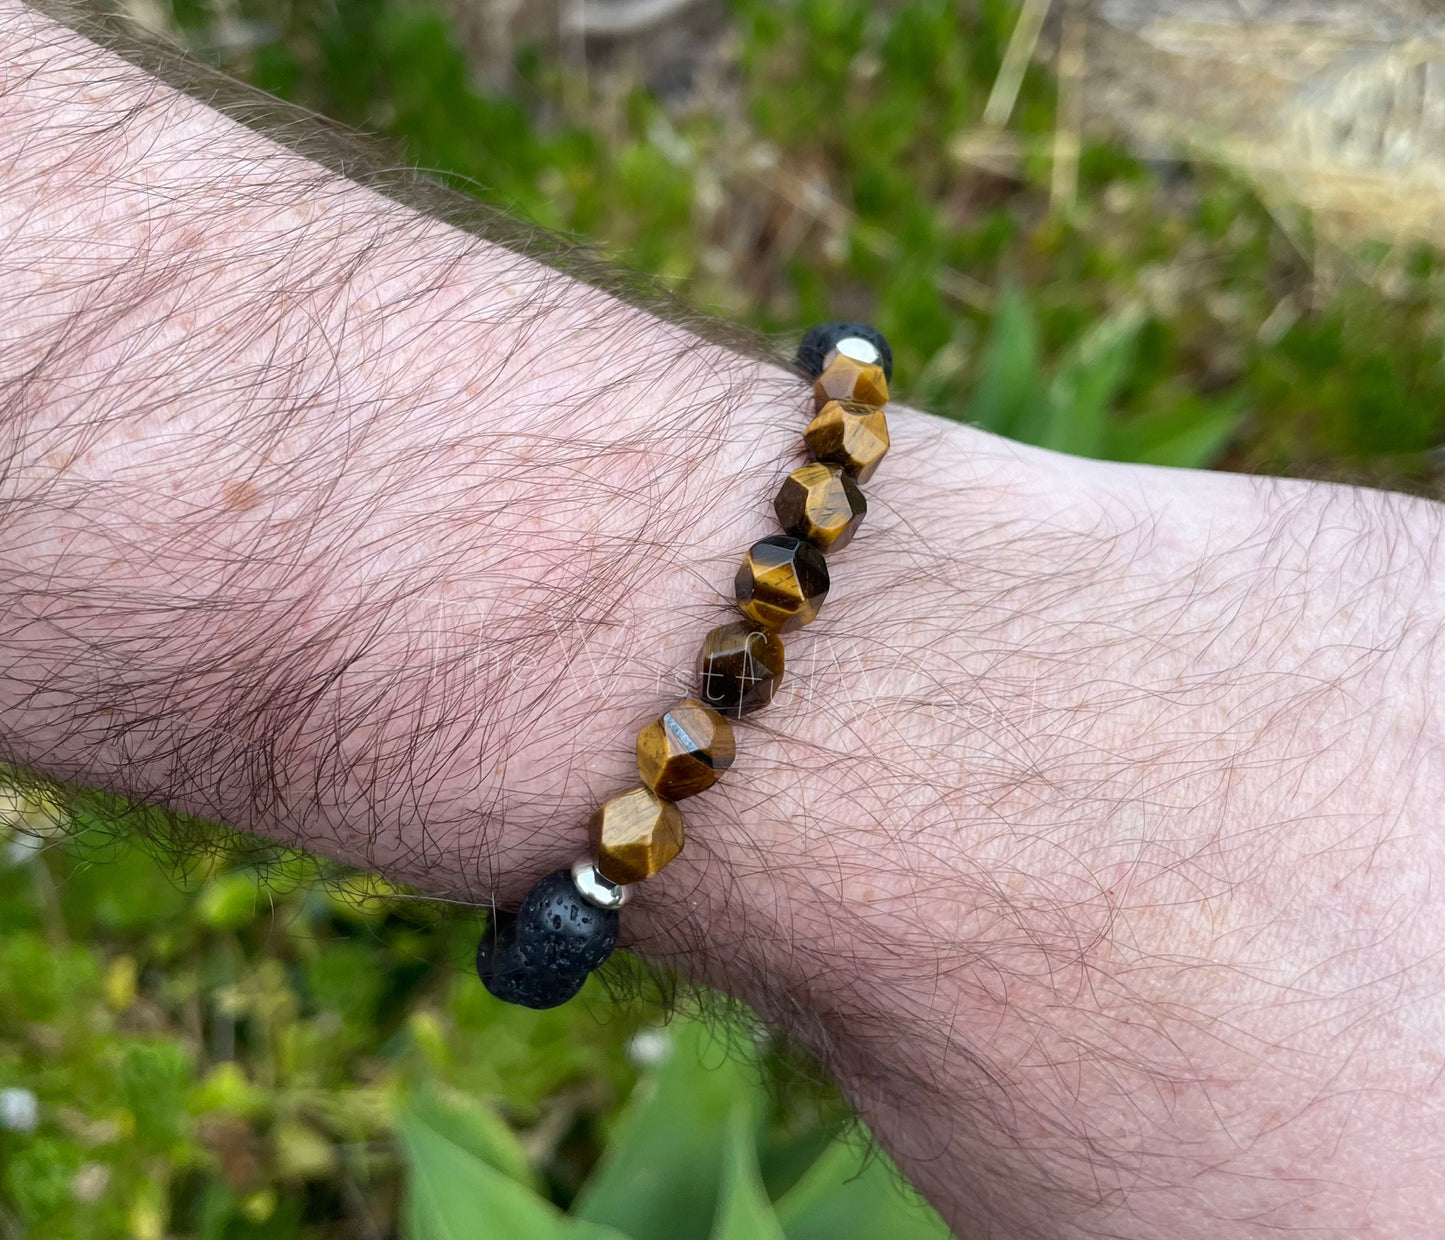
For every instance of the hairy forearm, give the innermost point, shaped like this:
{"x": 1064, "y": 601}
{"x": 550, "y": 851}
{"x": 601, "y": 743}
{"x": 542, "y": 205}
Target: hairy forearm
{"x": 316, "y": 504}
{"x": 1091, "y": 838}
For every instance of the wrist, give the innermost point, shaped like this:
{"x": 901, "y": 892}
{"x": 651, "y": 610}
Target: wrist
{"x": 1091, "y": 775}
{"x": 1064, "y": 840}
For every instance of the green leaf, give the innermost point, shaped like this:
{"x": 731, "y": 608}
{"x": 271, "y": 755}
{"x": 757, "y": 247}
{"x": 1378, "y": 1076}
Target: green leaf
{"x": 1008, "y": 391}
{"x": 852, "y": 1193}
{"x": 744, "y": 1213}
{"x": 153, "y": 1076}
{"x": 229, "y": 901}
{"x": 659, "y": 1178}
{"x": 1087, "y": 384}
{"x": 451, "y": 1194}
{"x": 473, "y": 1127}
{"x": 1191, "y": 436}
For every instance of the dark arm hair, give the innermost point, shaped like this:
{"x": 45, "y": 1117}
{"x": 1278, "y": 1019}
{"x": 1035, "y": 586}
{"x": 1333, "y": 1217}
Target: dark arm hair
{"x": 1093, "y": 841}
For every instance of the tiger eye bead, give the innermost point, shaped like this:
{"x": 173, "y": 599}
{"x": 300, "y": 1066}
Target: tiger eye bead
{"x": 634, "y": 835}
{"x": 822, "y": 504}
{"x": 782, "y": 583}
{"x": 846, "y": 378}
{"x": 685, "y": 751}
{"x": 853, "y": 437}
{"x": 739, "y": 668}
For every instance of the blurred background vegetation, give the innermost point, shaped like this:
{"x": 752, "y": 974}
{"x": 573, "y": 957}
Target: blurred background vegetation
{"x": 214, "y": 1047}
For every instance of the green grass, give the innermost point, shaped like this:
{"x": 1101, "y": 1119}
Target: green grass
{"x": 829, "y": 182}
{"x": 225, "y": 1051}
{"x": 230, "y": 1050}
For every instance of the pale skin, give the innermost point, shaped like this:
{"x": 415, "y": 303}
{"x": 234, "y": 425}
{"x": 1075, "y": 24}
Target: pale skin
{"x": 1094, "y": 841}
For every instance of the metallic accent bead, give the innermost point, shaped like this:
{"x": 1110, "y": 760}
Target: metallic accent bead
{"x": 816, "y": 347}
{"x": 858, "y": 349}
{"x": 594, "y": 887}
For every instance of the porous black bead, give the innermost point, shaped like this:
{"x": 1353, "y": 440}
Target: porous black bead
{"x": 817, "y": 341}
{"x": 540, "y": 955}
{"x": 510, "y": 975}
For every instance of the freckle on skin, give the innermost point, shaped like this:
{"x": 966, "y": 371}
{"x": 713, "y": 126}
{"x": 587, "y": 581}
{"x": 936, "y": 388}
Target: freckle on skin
{"x": 240, "y": 496}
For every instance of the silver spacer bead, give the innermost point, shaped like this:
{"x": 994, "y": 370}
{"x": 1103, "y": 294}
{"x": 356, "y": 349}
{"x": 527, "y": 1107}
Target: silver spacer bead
{"x": 858, "y": 349}
{"x": 596, "y": 889}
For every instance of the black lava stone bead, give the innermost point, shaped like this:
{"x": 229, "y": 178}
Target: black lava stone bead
{"x": 540, "y": 955}
{"x": 818, "y": 341}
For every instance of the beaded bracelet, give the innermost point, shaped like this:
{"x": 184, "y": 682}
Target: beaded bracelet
{"x": 566, "y": 926}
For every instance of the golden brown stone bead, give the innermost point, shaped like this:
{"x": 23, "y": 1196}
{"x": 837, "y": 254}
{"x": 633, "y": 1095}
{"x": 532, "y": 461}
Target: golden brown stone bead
{"x": 740, "y": 668}
{"x": 846, "y": 378}
{"x": 782, "y": 583}
{"x": 820, "y": 503}
{"x": 634, "y": 835}
{"x": 854, "y": 437}
{"x": 685, "y": 751}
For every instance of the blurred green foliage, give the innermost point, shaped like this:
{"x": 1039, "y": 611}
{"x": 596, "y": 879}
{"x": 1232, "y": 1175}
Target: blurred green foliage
{"x": 834, "y": 172}
{"x": 687, "y": 1160}
{"x": 232, "y": 1049}
{"x": 226, "y": 1050}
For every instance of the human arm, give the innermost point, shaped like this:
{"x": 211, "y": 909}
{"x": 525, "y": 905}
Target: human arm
{"x": 1090, "y": 839}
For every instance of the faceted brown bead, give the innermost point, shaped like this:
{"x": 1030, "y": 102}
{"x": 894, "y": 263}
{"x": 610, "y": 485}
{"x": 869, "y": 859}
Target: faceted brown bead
{"x": 846, "y": 378}
{"x": 739, "y": 668}
{"x": 822, "y": 504}
{"x": 852, "y": 436}
{"x": 685, "y": 751}
{"x": 634, "y": 835}
{"x": 782, "y": 583}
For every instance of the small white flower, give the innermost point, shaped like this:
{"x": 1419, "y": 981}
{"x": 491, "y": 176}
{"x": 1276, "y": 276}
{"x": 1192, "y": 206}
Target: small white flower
{"x": 649, "y": 1047}
{"x": 90, "y": 1183}
{"x": 19, "y": 1110}
{"x": 20, "y": 849}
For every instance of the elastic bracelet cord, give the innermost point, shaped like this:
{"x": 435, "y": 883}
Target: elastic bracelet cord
{"x": 567, "y": 924}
